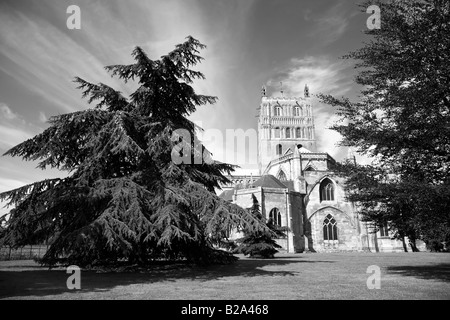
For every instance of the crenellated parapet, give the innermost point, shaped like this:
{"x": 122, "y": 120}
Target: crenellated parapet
{"x": 240, "y": 180}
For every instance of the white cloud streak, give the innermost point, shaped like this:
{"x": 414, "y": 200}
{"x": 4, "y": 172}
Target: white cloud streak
{"x": 55, "y": 60}
{"x": 13, "y": 128}
{"x": 6, "y": 113}
{"x": 331, "y": 25}
{"x": 322, "y": 75}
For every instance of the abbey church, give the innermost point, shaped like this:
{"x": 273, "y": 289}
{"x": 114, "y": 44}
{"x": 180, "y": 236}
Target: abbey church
{"x": 296, "y": 186}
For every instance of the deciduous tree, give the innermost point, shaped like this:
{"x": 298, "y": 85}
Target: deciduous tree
{"x": 402, "y": 119}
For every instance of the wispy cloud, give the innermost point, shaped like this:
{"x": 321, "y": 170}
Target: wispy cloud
{"x": 15, "y": 173}
{"x": 55, "y": 61}
{"x": 322, "y": 75}
{"x": 6, "y": 113}
{"x": 6, "y": 185}
{"x": 42, "y": 117}
{"x": 10, "y": 136}
{"x": 13, "y": 128}
{"x": 43, "y": 56}
{"x": 331, "y": 24}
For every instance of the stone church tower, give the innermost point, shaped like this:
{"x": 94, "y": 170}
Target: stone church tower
{"x": 298, "y": 188}
{"x": 282, "y": 122}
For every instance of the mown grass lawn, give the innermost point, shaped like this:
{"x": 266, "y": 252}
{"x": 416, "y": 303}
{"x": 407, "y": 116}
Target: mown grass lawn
{"x": 289, "y": 276}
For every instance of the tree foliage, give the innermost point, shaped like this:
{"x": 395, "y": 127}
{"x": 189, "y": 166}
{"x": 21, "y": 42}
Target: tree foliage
{"x": 260, "y": 243}
{"x": 124, "y": 198}
{"x": 408, "y": 208}
{"x": 402, "y": 119}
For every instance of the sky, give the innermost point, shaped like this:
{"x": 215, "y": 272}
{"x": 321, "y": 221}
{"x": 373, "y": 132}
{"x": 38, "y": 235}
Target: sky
{"x": 250, "y": 44}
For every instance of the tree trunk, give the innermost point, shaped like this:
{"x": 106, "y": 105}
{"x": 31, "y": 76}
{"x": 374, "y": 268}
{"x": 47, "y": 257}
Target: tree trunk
{"x": 308, "y": 235}
{"x": 404, "y": 244}
{"x": 375, "y": 241}
{"x": 412, "y": 243}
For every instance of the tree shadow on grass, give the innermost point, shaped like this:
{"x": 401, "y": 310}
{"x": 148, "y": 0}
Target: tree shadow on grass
{"x": 430, "y": 272}
{"x": 39, "y": 281}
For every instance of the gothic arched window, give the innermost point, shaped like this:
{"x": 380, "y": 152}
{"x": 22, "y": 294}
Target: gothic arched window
{"x": 275, "y": 216}
{"x": 329, "y": 228}
{"x": 298, "y": 133}
{"x": 282, "y": 176}
{"x": 278, "y": 111}
{"x": 303, "y": 132}
{"x": 384, "y": 231}
{"x": 326, "y": 190}
{"x": 279, "y": 149}
{"x": 296, "y": 111}
{"x": 288, "y": 133}
{"x": 277, "y": 132}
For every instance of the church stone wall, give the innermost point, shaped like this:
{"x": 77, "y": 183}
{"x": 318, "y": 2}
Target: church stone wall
{"x": 377, "y": 243}
{"x": 297, "y": 210}
{"x": 286, "y": 167}
{"x": 382, "y": 244}
{"x": 346, "y": 229}
{"x": 320, "y": 164}
{"x": 341, "y": 210}
{"x": 243, "y": 197}
{"x": 276, "y": 198}
{"x": 290, "y": 206}
{"x": 313, "y": 199}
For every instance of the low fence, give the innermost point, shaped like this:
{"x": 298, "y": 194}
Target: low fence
{"x": 24, "y": 253}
